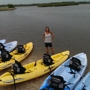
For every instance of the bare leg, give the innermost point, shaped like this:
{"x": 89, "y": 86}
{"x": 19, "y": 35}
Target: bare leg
{"x": 52, "y": 50}
{"x": 47, "y": 50}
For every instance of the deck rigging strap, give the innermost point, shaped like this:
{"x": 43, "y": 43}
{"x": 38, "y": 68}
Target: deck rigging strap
{"x": 35, "y": 63}
{"x": 50, "y": 68}
{"x": 12, "y": 74}
{"x": 83, "y": 86}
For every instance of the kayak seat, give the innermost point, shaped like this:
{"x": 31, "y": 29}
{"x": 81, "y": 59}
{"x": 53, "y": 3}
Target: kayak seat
{"x": 5, "y": 55}
{"x": 75, "y": 64}
{"x": 20, "y": 49}
{"x": 18, "y": 68}
{"x": 47, "y": 60}
{"x": 57, "y": 82}
{"x": 1, "y": 46}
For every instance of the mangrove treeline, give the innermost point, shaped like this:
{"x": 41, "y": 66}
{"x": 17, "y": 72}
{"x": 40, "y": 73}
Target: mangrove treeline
{"x": 52, "y": 4}
{"x": 55, "y": 4}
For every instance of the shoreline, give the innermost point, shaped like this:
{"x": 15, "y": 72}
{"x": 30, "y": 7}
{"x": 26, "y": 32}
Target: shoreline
{"x": 58, "y": 4}
{"x": 6, "y": 9}
{"x": 50, "y": 4}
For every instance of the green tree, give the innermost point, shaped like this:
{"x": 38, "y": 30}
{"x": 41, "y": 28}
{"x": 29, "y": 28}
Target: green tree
{"x": 10, "y": 5}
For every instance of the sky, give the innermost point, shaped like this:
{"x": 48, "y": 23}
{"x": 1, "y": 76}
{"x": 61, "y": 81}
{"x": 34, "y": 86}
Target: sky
{"x": 33, "y": 1}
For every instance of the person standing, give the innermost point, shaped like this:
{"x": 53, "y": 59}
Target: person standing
{"x": 48, "y": 37}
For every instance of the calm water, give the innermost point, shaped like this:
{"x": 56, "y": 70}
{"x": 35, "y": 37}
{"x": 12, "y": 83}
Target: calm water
{"x": 71, "y": 26}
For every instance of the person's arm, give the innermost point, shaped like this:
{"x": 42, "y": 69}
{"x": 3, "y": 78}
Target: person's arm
{"x": 52, "y": 36}
{"x": 43, "y": 36}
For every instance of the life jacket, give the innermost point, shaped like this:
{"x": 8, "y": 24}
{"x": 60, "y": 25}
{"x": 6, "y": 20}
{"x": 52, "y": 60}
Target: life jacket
{"x": 47, "y": 60}
{"x": 5, "y": 55}
{"x": 57, "y": 82}
{"x": 1, "y": 46}
{"x": 75, "y": 64}
{"x": 18, "y": 68}
{"x": 20, "y": 49}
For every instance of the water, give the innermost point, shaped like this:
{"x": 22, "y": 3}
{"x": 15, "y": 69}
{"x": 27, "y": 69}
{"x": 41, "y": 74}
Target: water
{"x": 70, "y": 25}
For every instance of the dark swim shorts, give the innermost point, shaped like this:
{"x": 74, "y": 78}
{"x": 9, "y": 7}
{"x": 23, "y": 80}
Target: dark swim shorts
{"x": 48, "y": 44}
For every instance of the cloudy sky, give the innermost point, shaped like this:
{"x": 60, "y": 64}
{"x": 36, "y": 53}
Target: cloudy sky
{"x": 32, "y": 1}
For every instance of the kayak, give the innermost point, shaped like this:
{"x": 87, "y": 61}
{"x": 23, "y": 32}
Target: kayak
{"x": 10, "y": 46}
{"x": 65, "y": 77}
{"x": 2, "y": 41}
{"x": 17, "y": 56}
{"x": 34, "y": 70}
{"x": 84, "y": 84}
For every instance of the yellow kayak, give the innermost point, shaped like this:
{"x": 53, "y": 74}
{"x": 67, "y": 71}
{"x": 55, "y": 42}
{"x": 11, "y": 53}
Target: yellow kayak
{"x": 33, "y": 71}
{"x": 17, "y": 56}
